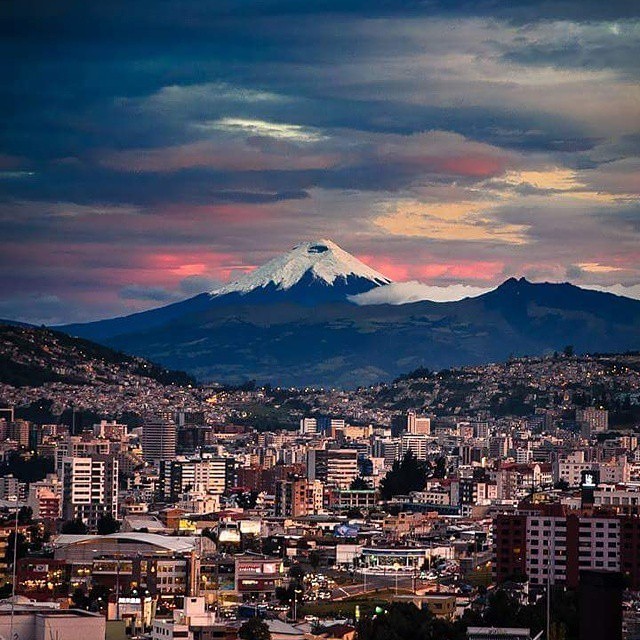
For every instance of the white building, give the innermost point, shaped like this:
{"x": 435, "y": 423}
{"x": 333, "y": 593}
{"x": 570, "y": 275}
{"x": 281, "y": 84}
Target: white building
{"x": 308, "y": 426}
{"x": 419, "y": 444}
{"x": 192, "y": 618}
{"x": 89, "y": 488}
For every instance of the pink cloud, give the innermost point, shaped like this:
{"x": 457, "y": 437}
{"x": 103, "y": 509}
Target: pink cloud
{"x": 477, "y": 270}
{"x": 479, "y": 166}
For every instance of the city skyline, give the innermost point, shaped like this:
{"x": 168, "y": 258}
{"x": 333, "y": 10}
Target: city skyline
{"x": 152, "y": 153}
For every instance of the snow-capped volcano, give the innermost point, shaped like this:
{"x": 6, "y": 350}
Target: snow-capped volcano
{"x": 321, "y": 265}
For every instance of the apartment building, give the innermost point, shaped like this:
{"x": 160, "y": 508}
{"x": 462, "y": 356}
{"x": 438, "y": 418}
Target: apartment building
{"x": 89, "y": 488}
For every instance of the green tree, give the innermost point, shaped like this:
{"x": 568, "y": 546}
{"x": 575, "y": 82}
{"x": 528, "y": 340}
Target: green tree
{"x": 79, "y": 599}
{"x": 408, "y": 474}
{"x": 108, "y": 524}
{"x": 76, "y": 526}
{"x": 25, "y": 515}
{"x": 359, "y": 483}
{"x": 296, "y": 572}
{"x": 401, "y": 620}
{"x": 254, "y": 629}
{"x": 440, "y": 467}
{"x": 21, "y": 551}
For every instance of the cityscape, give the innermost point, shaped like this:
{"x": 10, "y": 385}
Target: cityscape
{"x": 320, "y": 321}
{"x": 146, "y": 505}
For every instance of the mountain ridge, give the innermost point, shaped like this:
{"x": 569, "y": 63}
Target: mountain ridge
{"x": 33, "y": 356}
{"x": 306, "y": 330}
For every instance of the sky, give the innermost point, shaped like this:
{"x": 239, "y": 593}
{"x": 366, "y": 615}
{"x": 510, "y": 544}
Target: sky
{"x": 151, "y": 150}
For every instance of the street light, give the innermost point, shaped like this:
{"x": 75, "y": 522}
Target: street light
{"x": 295, "y": 603}
{"x": 396, "y": 567}
{"x": 13, "y": 569}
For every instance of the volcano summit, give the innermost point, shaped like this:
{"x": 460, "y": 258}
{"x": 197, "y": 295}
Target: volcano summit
{"x": 295, "y": 321}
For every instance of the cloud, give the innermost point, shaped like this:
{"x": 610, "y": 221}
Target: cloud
{"x": 282, "y": 131}
{"x": 454, "y": 221}
{"x": 35, "y": 308}
{"x": 414, "y": 291}
{"x": 193, "y": 285}
{"x": 155, "y": 294}
{"x": 631, "y": 291}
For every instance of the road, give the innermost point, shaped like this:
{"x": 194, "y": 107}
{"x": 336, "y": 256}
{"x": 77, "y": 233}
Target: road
{"x": 377, "y": 582}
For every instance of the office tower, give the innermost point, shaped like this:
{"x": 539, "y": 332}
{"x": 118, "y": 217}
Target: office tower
{"x": 89, "y": 488}
{"x": 387, "y": 449}
{"x": 498, "y": 447}
{"x": 159, "y": 440}
{"x": 190, "y": 418}
{"x": 417, "y": 425}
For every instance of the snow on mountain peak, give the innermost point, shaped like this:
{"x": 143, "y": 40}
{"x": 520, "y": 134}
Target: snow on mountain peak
{"x": 323, "y": 260}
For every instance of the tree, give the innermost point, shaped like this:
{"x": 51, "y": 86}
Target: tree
{"x": 25, "y": 515}
{"x": 408, "y": 474}
{"x": 440, "y": 468}
{"x": 314, "y": 559}
{"x": 76, "y": 526}
{"x": 108, "y": 524}
{"x": 401, "y": 620}
{"x": 79, "y": 599}
{"x": 254, "y": 629}
{"x": 568, "y": 351}
{"x": 21, "y": 551}
{"x": 359, "y": 483}
{"x": 247, "y": 499}
{"x": 296, "y": 573}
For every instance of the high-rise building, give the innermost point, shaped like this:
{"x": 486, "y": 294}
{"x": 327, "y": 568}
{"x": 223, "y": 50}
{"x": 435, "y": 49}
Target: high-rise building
{"x": 335, "y": 467}
{"x": 200, "y": 475}
{"x": 89, "y": 488}
{"x": 308, "y": 426}
{"x": 159, "y": 440}
{"x": 298, "y": 497}
{"x": 551, "y": 543}
{"x": 18, "y": 430}
{"x": 498, "y": 447}
{"x": 592, "y": 420}
{"x": 418, "y": 425}
{"x": 389, "y": 450}
{"x": 80, "y": 446}
{"x": 418, "y": 444}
